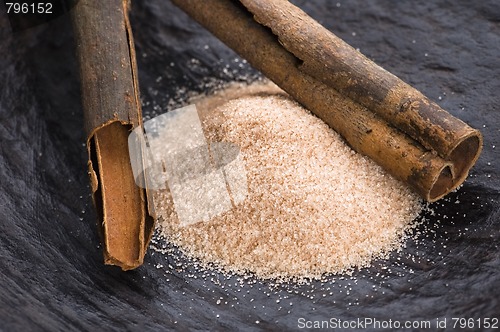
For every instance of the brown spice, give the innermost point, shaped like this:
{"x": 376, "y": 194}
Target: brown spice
{"x": 314, "y": 206}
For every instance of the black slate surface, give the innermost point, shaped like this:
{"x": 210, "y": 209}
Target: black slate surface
{"x": 51, "y": 272}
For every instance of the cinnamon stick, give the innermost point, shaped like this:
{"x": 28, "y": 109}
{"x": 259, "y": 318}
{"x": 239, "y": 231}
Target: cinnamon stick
{"x": 332, "y": 61}
{"x": 426, "y": 153}
{"x": 111, "y": 110}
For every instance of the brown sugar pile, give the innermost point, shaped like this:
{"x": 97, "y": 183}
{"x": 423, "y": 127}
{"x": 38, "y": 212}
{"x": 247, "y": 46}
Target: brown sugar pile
{"x": 314, "y": 206}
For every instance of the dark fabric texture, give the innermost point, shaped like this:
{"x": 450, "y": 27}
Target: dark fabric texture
{"x": 51, "y": 273}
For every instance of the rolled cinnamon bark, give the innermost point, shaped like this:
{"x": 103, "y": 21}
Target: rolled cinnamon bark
{"x": 346, "y": 102}
{"x": 111, "y": 110}
{"x": 332, "y": 61}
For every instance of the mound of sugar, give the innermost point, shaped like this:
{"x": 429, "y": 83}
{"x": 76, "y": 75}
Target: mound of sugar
{"x": 314, "y": 206}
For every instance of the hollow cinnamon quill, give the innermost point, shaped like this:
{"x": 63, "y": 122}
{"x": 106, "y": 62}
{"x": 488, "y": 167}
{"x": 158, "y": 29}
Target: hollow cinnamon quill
{"x": 111, "y": 109}
{"x": 378, "y": 114}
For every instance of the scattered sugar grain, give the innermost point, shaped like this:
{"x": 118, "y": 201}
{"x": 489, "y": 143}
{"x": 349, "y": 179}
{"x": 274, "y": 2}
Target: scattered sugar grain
{"x": 314, "y": 206}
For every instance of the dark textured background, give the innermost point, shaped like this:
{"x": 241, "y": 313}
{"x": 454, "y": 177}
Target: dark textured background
{"x": 51, "y": 272}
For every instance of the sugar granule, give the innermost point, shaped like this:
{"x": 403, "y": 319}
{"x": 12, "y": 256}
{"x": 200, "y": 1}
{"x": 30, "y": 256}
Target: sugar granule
{"x": 314, "y": 206}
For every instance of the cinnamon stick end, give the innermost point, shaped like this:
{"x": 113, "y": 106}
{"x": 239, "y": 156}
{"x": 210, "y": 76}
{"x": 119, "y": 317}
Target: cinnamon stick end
{"x": 125, "y": 226}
